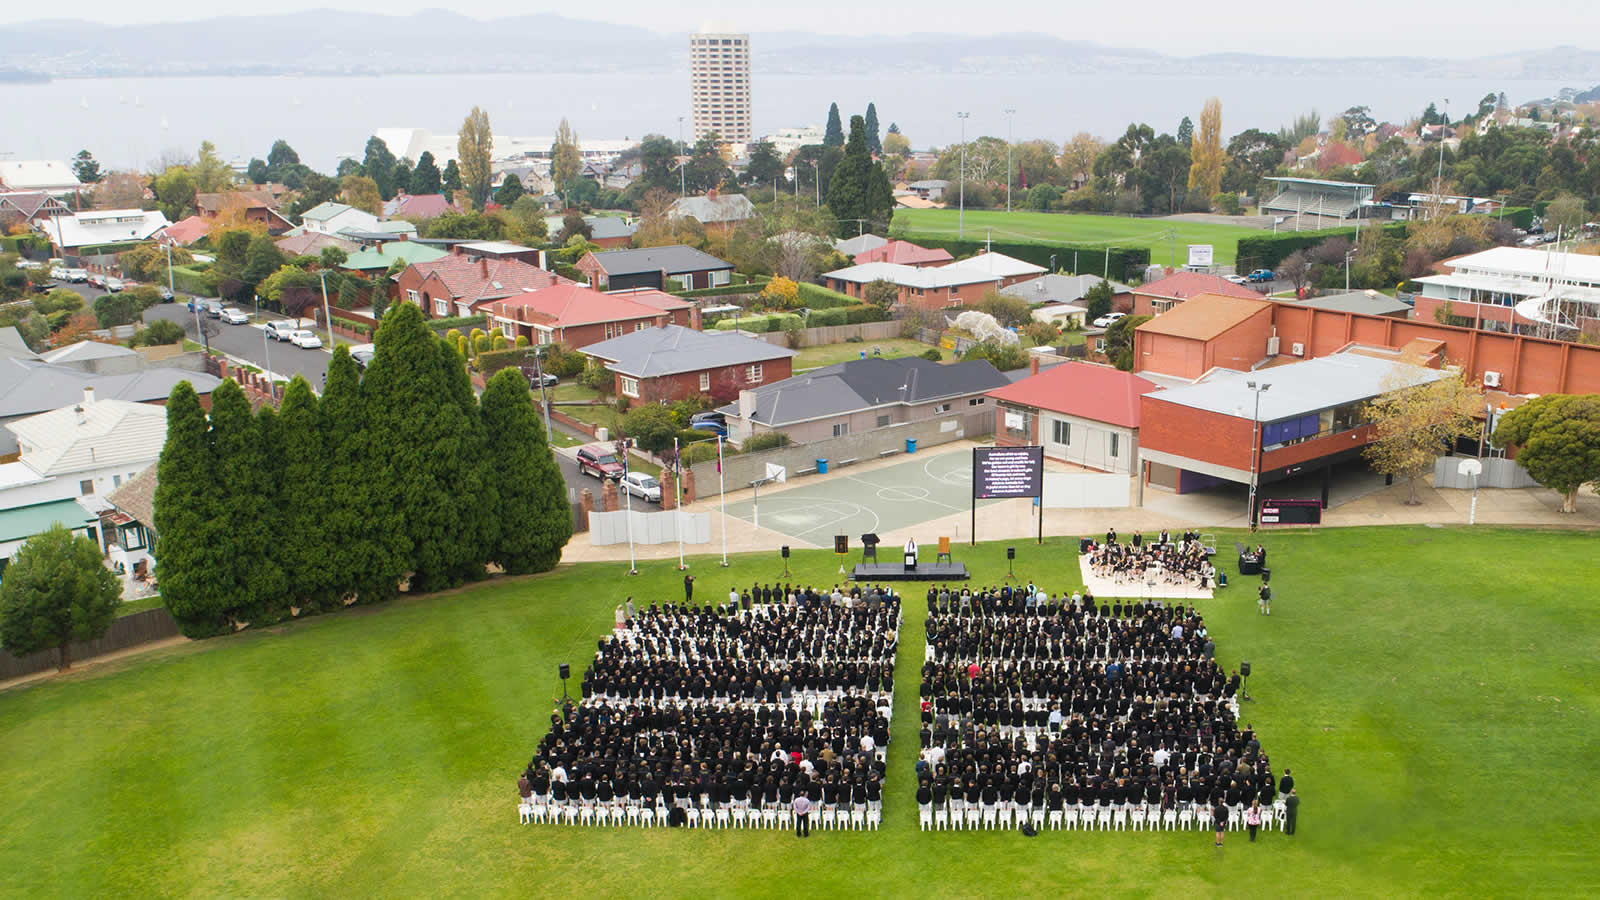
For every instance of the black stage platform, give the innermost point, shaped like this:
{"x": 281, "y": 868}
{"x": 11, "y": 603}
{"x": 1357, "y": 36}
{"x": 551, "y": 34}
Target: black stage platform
{"x": 898, "y": 572}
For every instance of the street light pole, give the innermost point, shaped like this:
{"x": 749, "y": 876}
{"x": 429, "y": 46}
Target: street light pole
{"x": 816, "y": 181}
{"x": 1347, "y": 254}
{"x": 961, "y": 220}
{"x": 1255, "y": 451}
{"x": 683, "y": 190}
{"x": 266, "y": 351}
{"x": 1009, "y": 169}
{"x": 325, "y": 314}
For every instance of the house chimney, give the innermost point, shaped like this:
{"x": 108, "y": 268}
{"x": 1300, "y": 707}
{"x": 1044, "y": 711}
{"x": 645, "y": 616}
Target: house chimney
{"x": 1033, "y": 364}
{"x": 88, "y": 396}
{"x": 747, "y": 405}
{"x": 483, "y": 265}
{"x": 694, "y": 317}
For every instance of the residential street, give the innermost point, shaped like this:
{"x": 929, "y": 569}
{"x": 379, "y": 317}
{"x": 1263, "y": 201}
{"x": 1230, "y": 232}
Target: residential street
{"x": 249, "y": 342}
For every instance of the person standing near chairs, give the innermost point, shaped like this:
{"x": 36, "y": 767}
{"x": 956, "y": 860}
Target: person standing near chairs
{"x": 1219, "y": 820}
{"x": 1291, "y": 809}
{"x": 1252, "y": 818}
{"x": 802, "y": 813}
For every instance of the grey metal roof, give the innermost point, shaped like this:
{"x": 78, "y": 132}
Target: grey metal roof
{"x": 83, "y": 351}
{"x": 675, "y": 259}
{"x": 12, "y": 346}
{"x": 31, "y": 386}
{"x": 859, "y": 244}
{"x": 860, "y": 384}
{"x": 1302, "y": 387}
{"x": 673, "y": 349}
{"x": 610, "y": 227}
{"x": 1374, "y": 304}
{"x": 1058, "y": 288}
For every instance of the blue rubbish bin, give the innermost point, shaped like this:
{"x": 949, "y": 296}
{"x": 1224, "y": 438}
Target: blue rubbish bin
{"x": 822, "y": 466}
{"x": 911, "y": 445}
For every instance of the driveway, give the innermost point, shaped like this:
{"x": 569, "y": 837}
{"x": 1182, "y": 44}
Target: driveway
{"x": 567, "y": 461}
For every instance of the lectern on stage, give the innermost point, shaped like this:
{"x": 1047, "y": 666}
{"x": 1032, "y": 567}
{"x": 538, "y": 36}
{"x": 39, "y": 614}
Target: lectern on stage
{"x": 910, "y": 567}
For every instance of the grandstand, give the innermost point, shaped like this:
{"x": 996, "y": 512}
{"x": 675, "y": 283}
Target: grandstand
{"x": 1314, "y": 203}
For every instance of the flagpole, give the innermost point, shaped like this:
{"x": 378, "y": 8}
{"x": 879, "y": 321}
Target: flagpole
{"x": 723, "y": 497}
{"x": 677, "y": 491}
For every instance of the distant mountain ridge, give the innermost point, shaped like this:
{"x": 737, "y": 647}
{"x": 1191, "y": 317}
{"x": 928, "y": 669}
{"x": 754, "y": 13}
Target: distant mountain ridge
{"x": 439, "y": 41}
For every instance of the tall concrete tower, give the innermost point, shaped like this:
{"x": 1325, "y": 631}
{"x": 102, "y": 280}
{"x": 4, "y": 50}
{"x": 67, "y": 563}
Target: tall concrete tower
{"x": 719, "y": 85}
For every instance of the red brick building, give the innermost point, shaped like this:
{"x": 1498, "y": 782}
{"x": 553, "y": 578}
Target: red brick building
{"x": 678, "y": 310}
{"x": 670, "y": 363}
{"x": 1166, "y": 293}
{"x": 1194, "y": 338}
{"x": 1079, "y": 412}
{"x": 257, "y": 207}
{"x": 458, "y": 285}
{"x": 571, "y": 315}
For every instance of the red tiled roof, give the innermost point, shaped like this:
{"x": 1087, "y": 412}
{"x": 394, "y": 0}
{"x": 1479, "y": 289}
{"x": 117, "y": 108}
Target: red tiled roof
{"x": 653, "y": 297}
{"x": 1085, "y": 390}
{"x": 1183, "y": 285}
{"x": 903, "y": 252}
{"x": 1205, "y": 316}
{"x": 186, "y": 231}
{"x": 566, "y": 305}
{"x": 488, "y": 279}
{"x": 419, "y": 206}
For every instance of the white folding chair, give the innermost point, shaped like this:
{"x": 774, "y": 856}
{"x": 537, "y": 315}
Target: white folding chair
{"x": 693, "y": 816}
{"x": 874, "y": 819}
{"x": 647, "y": 817}
{"x": 925, "y": 817}
{"x": 858, "y": 818}
{"x": 723, "y": 817}
{"x": 585, "y": 814}
{"x": 941, "y": 819}
{"x": 990, "y": 816}
{"x": 1056, "y": 817}
{"x": 525, "y": 812}
{"x": 1169, "y": 819}
{"x": 769, "y": 818}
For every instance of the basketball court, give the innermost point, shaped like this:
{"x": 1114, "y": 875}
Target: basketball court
{"x": 878, "y": 501}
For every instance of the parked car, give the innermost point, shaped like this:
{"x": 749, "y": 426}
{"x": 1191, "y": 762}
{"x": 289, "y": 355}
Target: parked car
{"x": 29, "y": 264}
{"x": 363, "y": 357}
{"x": 234, "y": 316}
{"x": 281, "y": 329}
{"x": 166, "y": 295}
{"x": 114, "y": 285}
{"x": 1237, "y": 279}
{"x": 58, "y": 273}
{"x": 711, "y": 421}
{"x": 1260, "y": 275}
{"x": 599, "y": 460}
{"x": 305, "y": 340}
{"x": 95, "y": 279}
{"x": 641, "y": 485}
{"x": 1109, "y": 319}
{"x": 77, "y": 276}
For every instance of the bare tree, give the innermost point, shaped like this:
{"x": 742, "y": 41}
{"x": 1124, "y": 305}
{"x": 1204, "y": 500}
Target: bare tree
{"x": 1296, "y": 269}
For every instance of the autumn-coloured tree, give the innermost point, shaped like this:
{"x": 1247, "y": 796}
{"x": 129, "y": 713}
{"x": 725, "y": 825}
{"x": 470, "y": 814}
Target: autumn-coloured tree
{"x": 361, "y": 192}
{"x": 473, "y": 147}
{"x": 1077, "y": 155}
{"x": 1415, "y": 420}
{"x": 566, "y": 161}
{"x": 1206, "y": 157}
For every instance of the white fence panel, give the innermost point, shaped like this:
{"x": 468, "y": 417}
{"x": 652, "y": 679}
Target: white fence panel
{"x": 606, "y": 528}
{"x": 1085, "y": 490}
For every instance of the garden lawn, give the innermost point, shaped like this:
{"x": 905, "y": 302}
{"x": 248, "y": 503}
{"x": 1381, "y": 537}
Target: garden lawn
{"x": 1434, "y": 690}
{"x": 1076, "y": 228}
{"x": 828, "y": 354}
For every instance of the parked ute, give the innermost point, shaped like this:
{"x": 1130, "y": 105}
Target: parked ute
{"x": 1261, "y": 275}
{"x": 305, "y": 340}
{"x": 234, "y": 316}
{"x": 641, "y": 485}
{"x": 599, "y": 460}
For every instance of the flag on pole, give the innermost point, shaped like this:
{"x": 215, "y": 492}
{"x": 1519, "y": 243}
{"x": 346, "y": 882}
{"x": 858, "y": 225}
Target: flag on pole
{"x": 719, "y": 453}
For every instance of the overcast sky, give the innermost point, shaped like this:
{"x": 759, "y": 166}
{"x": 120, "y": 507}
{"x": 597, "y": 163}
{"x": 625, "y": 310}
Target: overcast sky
{"x": 1181, "y": 27}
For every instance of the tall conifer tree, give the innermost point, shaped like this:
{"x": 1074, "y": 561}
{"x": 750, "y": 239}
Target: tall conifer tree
{"x": 530, "y": 497}
{"x": 185, "y": 518}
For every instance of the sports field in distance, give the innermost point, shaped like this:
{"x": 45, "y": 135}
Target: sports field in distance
{"x": 1434, "y": 690}
{"x": 1075, "y": 228}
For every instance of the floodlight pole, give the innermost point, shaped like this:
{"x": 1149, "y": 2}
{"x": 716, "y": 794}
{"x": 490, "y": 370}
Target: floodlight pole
{"x": 961, "y": 220}
{"x": 1256, "y": 449}
{"x": 1009, "y": 169}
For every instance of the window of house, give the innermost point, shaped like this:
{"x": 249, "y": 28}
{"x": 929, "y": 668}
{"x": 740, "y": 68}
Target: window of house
{"x": 841, "y": 429}
{"x": 1116, "y": 439}
{"x": 630, "y": 387}
{"x": 1061, "y": 432}
{"x": 441, "y": 307}
{"x": 705, "y": 381}
{"x": 86, "y": 487}
{"x": 507, "y": 329}
{"x": 1099, "y": 345}
{"x": 640, "y": 326}
{"x": 116, "y": 481}
{"x": 883, "y": 421}
{"x": 942, "y": 408}
{"x": 414, "y": 298}
{"x": 752, "y": 374}
{"x": 975, "y": 401}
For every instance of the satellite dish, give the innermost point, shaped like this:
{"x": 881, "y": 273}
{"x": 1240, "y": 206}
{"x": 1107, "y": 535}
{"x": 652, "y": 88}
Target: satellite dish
{"x": 1470, "y": 467}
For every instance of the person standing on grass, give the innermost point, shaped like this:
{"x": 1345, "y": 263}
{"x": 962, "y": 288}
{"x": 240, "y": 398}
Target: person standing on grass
{"x": 1265, "y": 603}
{"x": 688, "y": 588}
{"x": 1291, "y": 809}
{"x": 1219, "y": 818}
{"x": 802, "y": 813}
{"x": 1252, "y": 818}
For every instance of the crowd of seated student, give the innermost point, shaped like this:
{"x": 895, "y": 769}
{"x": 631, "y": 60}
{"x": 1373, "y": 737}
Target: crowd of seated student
{"x": 1059, "y": 713}
{"x": 1137, "y": 561}
{"x": 718, "y": 715}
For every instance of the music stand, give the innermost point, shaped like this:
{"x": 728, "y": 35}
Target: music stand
{"x": 869, "y": 547}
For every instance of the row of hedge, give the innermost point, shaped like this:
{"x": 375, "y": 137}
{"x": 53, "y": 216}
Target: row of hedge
{"x": 818, "y": 297}
{"x": 858, "y": 314}
{"x": 761, "y": 324}
{"x": 190, "y": 281}
{"x": 462, "y": 323}
{"x": 754, "y": 287}
{"x": 1266, "y": 251}
{"x": 1124, "y": 262}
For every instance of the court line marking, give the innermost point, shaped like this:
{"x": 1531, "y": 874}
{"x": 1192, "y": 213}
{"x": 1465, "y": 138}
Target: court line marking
{"x": 929, "y": 500}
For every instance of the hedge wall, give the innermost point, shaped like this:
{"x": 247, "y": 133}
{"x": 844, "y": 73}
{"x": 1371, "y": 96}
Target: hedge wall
{"x": 465, "y": 323}
{"x": 492, "y": 361}
{"x": 1125, "y": 262}
{"x": 1520, "y": 216}
{"x": 818, "y": 297}
{"x": 846, "y": 315}
{"x": 1268, "y": 250}
{"x": 760, "y": 324}
{"x": 198, "y": 283}
{"x": 753, "y": 287}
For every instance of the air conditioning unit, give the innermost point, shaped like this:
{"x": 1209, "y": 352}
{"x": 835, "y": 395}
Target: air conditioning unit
{"x": 1272, "y": 345}
{"x": 1297, "y": 349}
{"x": 1491, "y": 379}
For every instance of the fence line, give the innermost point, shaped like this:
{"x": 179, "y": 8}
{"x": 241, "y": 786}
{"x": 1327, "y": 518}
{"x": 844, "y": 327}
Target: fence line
{"x": 127, "y": 631}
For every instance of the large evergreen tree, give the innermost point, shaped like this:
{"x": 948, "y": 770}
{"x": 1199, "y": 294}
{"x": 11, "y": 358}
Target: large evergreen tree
{"x": 529, "y": 503}
{"x": 834, "y": 136}
{"x": 57, "y": 590}
{"x": 451, "y": 179}
{"x": 874, "y": 140}
{"x": 378, "y": 164}
{"x": 298, "y": 462}
{"x": 414, "y": 429}
{"x": 425, "y": 178}
{"x": 471, "y": 471}
{"x": 252, "y": 583}
{"x": 186, "y": 519}
{"x": 859, "y": 188}
{"x": 362, "y": 564}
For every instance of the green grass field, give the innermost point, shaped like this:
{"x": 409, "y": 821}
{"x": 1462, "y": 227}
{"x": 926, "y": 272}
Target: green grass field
{"x": 1076, "y": 228}
{"x": 828, "y": 354}
{"x": 1434, "y": 690}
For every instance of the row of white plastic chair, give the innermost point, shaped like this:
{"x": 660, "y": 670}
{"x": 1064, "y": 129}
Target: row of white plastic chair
{"x": 725, "y": 817}
{"x": 1138, "y": 816}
